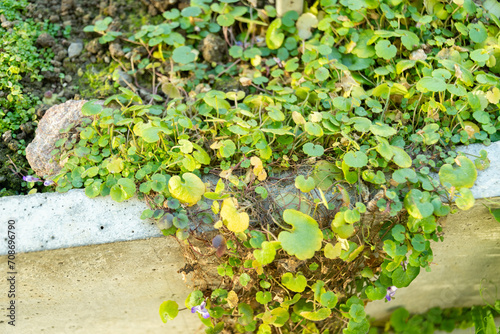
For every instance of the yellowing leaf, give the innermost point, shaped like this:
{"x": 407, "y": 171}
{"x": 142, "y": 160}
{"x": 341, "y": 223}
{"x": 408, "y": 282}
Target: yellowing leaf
{"x": 232, "y": 299}
{"x": 463, "y": 176}
{"x": 236, "y": 221}
{"x": 189, "y": 189}
{"x": 258, "y": 169}
{"x": 493, "y": 95}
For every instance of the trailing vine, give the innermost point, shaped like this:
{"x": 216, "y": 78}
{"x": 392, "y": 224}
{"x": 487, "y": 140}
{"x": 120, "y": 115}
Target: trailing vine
{"x": 318, "y": 177}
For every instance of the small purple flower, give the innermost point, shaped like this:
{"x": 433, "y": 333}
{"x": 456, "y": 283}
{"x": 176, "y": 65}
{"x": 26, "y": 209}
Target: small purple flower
{"x": 48, "y": 183}
{"x": 391, "y": 291}
{"x": 201, "y": 310}
{"x": 29, "y": 178}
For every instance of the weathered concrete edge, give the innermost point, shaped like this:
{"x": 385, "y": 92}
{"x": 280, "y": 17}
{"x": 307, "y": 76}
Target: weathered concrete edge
{"x": 52, "y": 220}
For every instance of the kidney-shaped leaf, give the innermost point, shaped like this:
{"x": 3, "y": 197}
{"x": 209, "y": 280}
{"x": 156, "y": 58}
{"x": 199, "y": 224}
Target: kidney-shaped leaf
{"x": 188, "y": 189}
{"x": 463, "y": 176}
{"x": 168, "y": 310}
{"x": 304, "y": 239}
{"x": 296, "y": 284}
{"x": 418, "y": 204}
{"x": 319, "y": 315}
{"x": 236, "y": 221}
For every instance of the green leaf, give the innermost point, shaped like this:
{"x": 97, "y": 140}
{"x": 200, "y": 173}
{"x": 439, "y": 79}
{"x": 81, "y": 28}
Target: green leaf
{"x": 356, "y": 159}
{"x": 329, "y": 299}
{"x": 91, "y": 108}
{"x": 123, "y": 190}
{"x": 384, "y": 148}
{"x": 168, "y": 310}
{"x": 304, "y": 239}
{"x": 401, "y": 278}
{"x": 480, "y": 55}
{"x": 313, "y": 129}
{"x": 188, "y": 189}
{"x": 401, "y": 158}
{"x": 319, "y": 315}
{"x": 227, "y": 149}
{"x": 263, "y": 297}
{"x": 477, "y": 32}
{"x": 410, "y": 40}
{"x": 463, "y": 176}
{"x": 399, "y": 319}
{"x": 418, "y": 242}
{"x": 382, "y": 129}
{"x": 296, "y": 284}
{"x": 404, "y": 174}
{"x": 274, "y": 38}
{"x": 305, "y": 185}
{"x": 376, "y": 292}
{"x": 398, "y": 232}
{"x": 418, "y": 204}
{"x": 94, "y": 189}
{"x": 430, "y": 135}
{"x": 313, "y": 150}
{"x": 465, "y": 199}
{"x": 183, "y": 55}
{"x": 431, "y": 84}
{"x": 333, "y": 252}
{"x": 266, "y": 254}
{"x": 357, "y": 312}
{"x": 191, "y": 11}
{"x": 322, "y": 74}
{"x": 385, "y": 49}
{"x": 282, "y": 316}
{"x": 404, "y": 64}
{"x": 225, "y": 20}
{"x": 244, "y": 279}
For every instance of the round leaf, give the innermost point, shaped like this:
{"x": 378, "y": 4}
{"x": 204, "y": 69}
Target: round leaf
{"x": 168, "y": 310}
{"x": 356, "y": 159}
{"x": 296, "y": 284}
{"x": 189, "y": 189}
{"x": 236, "y": 222}
{"x": 463, "y": 176}
{"x": 304, "y": 239}
{"x": 313, "y": 150}
{"x": 418, "y": 204}
{"x": 303, "y": 184}
{"x": 274, "y": 38}
{"x": 183, "y": 55}
{"x": 385, "y": 49}
{"x": 266, "y": 254}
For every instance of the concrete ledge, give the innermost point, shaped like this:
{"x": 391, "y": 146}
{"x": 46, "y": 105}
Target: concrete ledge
{"x": 52, "y": 221}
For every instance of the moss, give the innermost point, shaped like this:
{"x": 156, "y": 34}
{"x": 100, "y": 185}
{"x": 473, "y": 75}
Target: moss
{"x": 97, "y": 81}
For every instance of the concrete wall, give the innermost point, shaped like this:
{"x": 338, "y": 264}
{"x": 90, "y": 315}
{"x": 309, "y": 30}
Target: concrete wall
{"x": 92, "y": 266}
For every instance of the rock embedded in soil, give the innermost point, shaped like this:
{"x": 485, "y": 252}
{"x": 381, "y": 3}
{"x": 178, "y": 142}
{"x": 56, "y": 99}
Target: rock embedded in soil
{"x": 75, "y": 49}
{"x": 56, "y": 118}
{"x": 116, "y": 50}
{"x": 45, "y": 40}
{"x": 93, "y": 46}
{"x": 214, "y": 48}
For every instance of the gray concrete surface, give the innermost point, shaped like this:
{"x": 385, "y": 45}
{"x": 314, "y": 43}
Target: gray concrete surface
{"x": 488, "y": 180}
{"x": 53, "y": 221}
